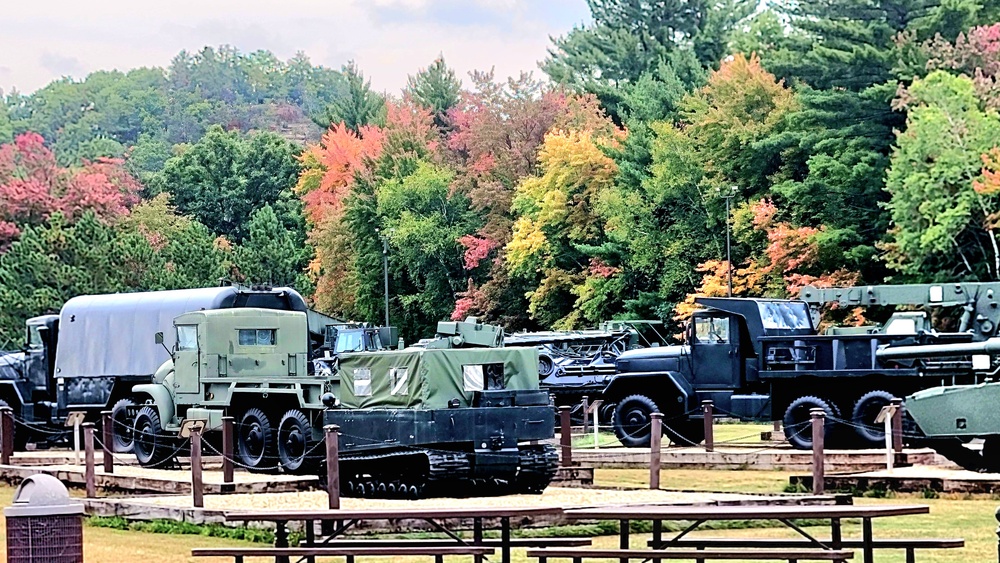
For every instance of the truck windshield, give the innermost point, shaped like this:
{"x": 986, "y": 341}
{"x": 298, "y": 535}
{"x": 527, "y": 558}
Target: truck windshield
{"x": 34, "y": 337}
{"x": 784, "y": 316}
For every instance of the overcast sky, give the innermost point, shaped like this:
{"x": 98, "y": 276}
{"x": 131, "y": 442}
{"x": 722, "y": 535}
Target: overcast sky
{"x": 41, "y": 40}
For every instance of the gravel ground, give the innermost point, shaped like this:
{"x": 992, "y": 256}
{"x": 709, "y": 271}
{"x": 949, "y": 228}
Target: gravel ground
{"x": 553, "y": 496}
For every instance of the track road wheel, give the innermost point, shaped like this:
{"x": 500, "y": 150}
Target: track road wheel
{"x": 632, "y": 420}
{"x": 866, "y": 409}
{"x": 798, "y": 422}
{"x": 255, "y": 442}
{"x": 151, "y": 447}
{"x": 121, "y": 426}
{"x": 295, "y": 441}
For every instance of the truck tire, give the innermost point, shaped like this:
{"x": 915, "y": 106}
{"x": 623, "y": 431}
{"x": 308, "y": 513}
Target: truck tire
{"x": 121, "y": 426}
{"x": 632, "y": 420}
{"x": 871, "y": 433}
{"x": 797, "y": 421}
{"x": 295, "y": 442}
{"x": 255, "y": 443}
{"x": 151, "y": 446}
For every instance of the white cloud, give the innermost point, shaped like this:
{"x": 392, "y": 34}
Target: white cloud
{"x": 389, "y": 39}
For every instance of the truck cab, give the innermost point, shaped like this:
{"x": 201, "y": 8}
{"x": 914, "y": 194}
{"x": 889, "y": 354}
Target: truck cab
{"x": 719, "y": 360}
{"x": 31, "y": 392}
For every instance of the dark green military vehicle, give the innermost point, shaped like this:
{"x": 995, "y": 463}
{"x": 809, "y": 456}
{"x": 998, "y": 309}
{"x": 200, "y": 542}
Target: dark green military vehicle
{"x": 414, "y": 422}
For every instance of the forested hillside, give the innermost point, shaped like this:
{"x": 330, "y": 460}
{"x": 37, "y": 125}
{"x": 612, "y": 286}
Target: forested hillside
{"x": 857, "y": 141}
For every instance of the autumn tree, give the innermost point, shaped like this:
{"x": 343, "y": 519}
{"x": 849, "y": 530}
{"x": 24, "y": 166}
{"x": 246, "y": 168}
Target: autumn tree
{"x": 942, "y": 226}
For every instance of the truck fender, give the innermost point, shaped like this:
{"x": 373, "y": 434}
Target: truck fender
{"x": 8, "y": 392}
{"x": 162, "y": 399}
{"x": 656, "y": 384}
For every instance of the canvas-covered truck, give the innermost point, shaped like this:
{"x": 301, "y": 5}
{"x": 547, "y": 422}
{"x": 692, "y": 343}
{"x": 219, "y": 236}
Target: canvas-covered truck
{"x": 89, "y": 356}
{"x": 414, "y": 422}
{"x": 763, "y": 359}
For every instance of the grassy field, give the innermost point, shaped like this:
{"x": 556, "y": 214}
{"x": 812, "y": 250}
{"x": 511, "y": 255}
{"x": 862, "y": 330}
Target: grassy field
{"x": 970, "y": 518}
{"x": 731, "y": 434}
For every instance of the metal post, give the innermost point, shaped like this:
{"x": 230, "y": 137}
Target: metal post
{"x": 197, "y": 492}
{"x": 385, "y": 273}
{"x": 88, "y": 444}
{"x": 729, "y": 255}
{"x": 107, "y": 447}
{"x": 76, "y": 439}
{"x": 897, "y": 426}
{"x": 818, "y": 419}
{"x": 332, "y": 466}
{"x": 6, "y": 434}
{"x": 228, "y": 423}
{"x": 707, "y": 411}
{"x": 565, "y": 439}
{"x": 655, "y": 439}
{"x": 586, "y": 414}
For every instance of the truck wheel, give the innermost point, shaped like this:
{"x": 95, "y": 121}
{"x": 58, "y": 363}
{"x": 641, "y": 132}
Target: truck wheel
{"x": 121, "y": 426}
{"x": 866, "y": 409}
{"x": 632, "y": 420}
{"x": 255, "y": 440}
{"x": 150, "y": 445}
{"x": 798, "y": 422}
{"x": 295, "y": 442}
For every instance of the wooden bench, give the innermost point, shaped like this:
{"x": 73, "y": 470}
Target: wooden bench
{"x": 238, "y": 553}
{"x": 790, "y": 555}
{"x": 445, "y": 542}
{"x": 907, "y": 544}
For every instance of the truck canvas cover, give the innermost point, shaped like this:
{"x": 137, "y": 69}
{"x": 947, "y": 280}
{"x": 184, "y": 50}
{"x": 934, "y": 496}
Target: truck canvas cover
{"x": 429, "y": 378}
{"x": 112, "y": 335}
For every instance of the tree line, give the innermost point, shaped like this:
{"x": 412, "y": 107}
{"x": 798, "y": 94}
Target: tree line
{"x": 856, "y": 142}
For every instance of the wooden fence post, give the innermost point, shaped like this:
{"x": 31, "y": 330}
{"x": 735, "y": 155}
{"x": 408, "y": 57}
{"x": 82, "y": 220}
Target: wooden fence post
{"x": 565, "y": 438}
{"x": 897, "y": 425}
{"x": 332, "y": 466}
{"x": 6, "y": 435}
{"x": 819, "y": 477}
{"x": 586, "y": 413}
{"x": 107, "y": 442}
{"x": 655, "y": 439}
{"x": 88, "y": 459}
{"x": 197, "y": 485}
{"x": 228, "y": 424}
{"x": 707, "y": 410}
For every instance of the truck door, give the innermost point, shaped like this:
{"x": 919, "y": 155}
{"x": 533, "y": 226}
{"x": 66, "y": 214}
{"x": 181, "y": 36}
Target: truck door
{"x": 715, "y": 353}
{"x": 187, "y": 360}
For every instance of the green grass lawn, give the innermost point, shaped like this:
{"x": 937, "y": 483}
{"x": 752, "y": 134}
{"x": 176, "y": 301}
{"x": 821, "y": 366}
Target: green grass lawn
{"x": 741, "y": 434}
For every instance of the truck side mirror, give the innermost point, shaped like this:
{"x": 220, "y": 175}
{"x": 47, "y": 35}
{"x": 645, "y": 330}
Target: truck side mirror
{"x": 158, "y": 337}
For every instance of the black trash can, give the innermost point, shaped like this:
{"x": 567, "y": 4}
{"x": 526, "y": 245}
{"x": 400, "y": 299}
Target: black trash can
{"x": 44, "y": 525}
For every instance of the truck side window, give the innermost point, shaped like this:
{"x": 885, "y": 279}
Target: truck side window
{"x": 257, "y": 336}
{"x": 711, "y": 330}
{"x": 187, "y": 337}
{"x": 34, "y": 338}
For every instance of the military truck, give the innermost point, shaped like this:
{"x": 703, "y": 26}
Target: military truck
{"x": 414, "y": 422}
{"x": 89, "y": 356}
{"x": 759, "y": 359}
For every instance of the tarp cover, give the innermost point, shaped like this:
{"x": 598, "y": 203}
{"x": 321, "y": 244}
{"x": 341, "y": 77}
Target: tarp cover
{"x": 428, "y": 379}
{"x": 101, "y": 335}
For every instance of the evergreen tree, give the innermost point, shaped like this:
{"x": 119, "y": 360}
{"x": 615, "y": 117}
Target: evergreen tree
{"x": 435, "y": 88}
{"x": 271, "y": 253}
{"x": 360, "y": 105}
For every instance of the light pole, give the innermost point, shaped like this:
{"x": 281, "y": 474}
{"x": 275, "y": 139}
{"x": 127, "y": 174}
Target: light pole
{"x": 385, "y": 272}
{"x": 729, "y": 255}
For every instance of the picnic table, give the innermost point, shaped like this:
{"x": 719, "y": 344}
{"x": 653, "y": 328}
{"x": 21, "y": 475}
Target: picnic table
{"x": 785, "y": 514}
{"x": 438, "y": 518}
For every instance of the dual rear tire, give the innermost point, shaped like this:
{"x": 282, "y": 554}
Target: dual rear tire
{"x": 862, "y": 430}
{"x": 262, "y": 447}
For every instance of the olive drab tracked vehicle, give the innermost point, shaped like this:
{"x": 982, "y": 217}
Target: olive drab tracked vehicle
{"x": 414, "y": 422}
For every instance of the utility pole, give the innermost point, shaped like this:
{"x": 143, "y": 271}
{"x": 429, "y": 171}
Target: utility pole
{"x": 385, "y": 272}
{"x": 729, "y": 255}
